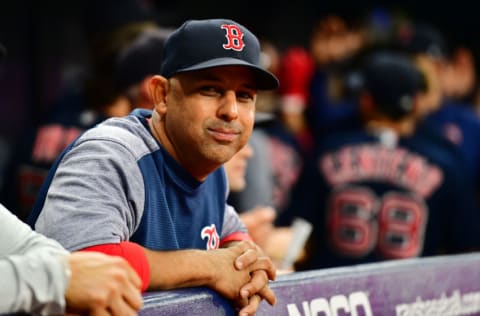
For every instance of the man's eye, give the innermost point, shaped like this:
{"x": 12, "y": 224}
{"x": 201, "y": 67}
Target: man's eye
{"x": 209, "y": 90}
{"x": 245, "y": 96}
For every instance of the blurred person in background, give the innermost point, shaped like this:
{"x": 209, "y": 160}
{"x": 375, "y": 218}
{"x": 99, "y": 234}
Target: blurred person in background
{"x": 41, "y": 278}
{"x": 107, "y": 91}
{"x": 379, "y": 190}
{"x": 296, "y": 70}
{"x": 259, "y": 220}
{"x": 263, "y": 173}
{"x": 136, "y": 64}
{"x": 334, "y": 43}
{"x": 275, "y": 165}
{"x": 445, "y": 108}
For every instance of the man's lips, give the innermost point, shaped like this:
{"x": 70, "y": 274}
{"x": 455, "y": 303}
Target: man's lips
{"x": 224, "y": 135}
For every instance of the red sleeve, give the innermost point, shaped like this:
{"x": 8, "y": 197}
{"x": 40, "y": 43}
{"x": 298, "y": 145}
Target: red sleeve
{"x": 238, "y": 236}
{"x": 131, "y": 252}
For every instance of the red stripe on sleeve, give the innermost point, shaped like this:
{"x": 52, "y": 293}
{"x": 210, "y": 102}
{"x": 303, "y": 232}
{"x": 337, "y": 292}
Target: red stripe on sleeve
{"x": 238, "y": 236}
{"x": 131, "y": 252}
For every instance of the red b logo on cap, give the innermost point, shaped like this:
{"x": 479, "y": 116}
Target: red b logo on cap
{"x": 234, "y": 37}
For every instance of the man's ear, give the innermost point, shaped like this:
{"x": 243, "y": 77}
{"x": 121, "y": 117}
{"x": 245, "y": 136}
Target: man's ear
{"x": 158, "y": 88}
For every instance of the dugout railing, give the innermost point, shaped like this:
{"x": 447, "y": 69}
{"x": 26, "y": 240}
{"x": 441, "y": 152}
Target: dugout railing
{"x": 444, "y": 285}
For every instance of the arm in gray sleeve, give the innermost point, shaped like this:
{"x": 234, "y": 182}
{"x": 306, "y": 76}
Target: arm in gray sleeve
{"x": 232, "y": 222}
{"x": 32, "y": 269}
{"x": 94, "y": 197}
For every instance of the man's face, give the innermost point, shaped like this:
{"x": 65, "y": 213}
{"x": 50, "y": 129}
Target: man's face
{"x": 210, "y": 114}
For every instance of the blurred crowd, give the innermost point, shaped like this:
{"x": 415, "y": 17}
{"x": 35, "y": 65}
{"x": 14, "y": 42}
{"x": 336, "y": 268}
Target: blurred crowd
{"x": 314, "y": 116}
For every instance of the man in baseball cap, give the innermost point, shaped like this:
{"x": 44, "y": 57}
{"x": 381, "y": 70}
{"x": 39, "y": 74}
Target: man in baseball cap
{"x": 151, "y": 186}
{"x": 380, "y": 171}
{"x": 137, "y": 63}
{"x": 140, "y": 58}
{"x": 393, "y": 81}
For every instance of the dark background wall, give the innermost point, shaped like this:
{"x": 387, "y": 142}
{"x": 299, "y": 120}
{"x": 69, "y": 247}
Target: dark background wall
{"x": 47, "y": 44}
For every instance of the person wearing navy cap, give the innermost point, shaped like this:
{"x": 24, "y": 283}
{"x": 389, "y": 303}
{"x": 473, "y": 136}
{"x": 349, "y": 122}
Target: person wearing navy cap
{"x": 447, "y": 111}
{"x": 136, "y": 64}
{"x": 151, "y": 187}
{"x": 380, "y": 190}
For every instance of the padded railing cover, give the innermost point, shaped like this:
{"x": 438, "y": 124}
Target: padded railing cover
{"x": 445, "y": 285}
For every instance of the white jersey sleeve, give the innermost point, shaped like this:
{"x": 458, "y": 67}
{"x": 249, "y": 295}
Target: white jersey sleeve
{"x": 33, "y": 275}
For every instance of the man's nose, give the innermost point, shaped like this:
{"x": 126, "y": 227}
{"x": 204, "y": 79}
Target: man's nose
{"x": 228, "y": 110}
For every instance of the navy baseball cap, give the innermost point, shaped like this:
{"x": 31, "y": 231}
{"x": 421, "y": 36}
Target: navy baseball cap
{"x": 393, "y": 81}
{"x": 140, "y": 58}
{"x": 201, "y": 44}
